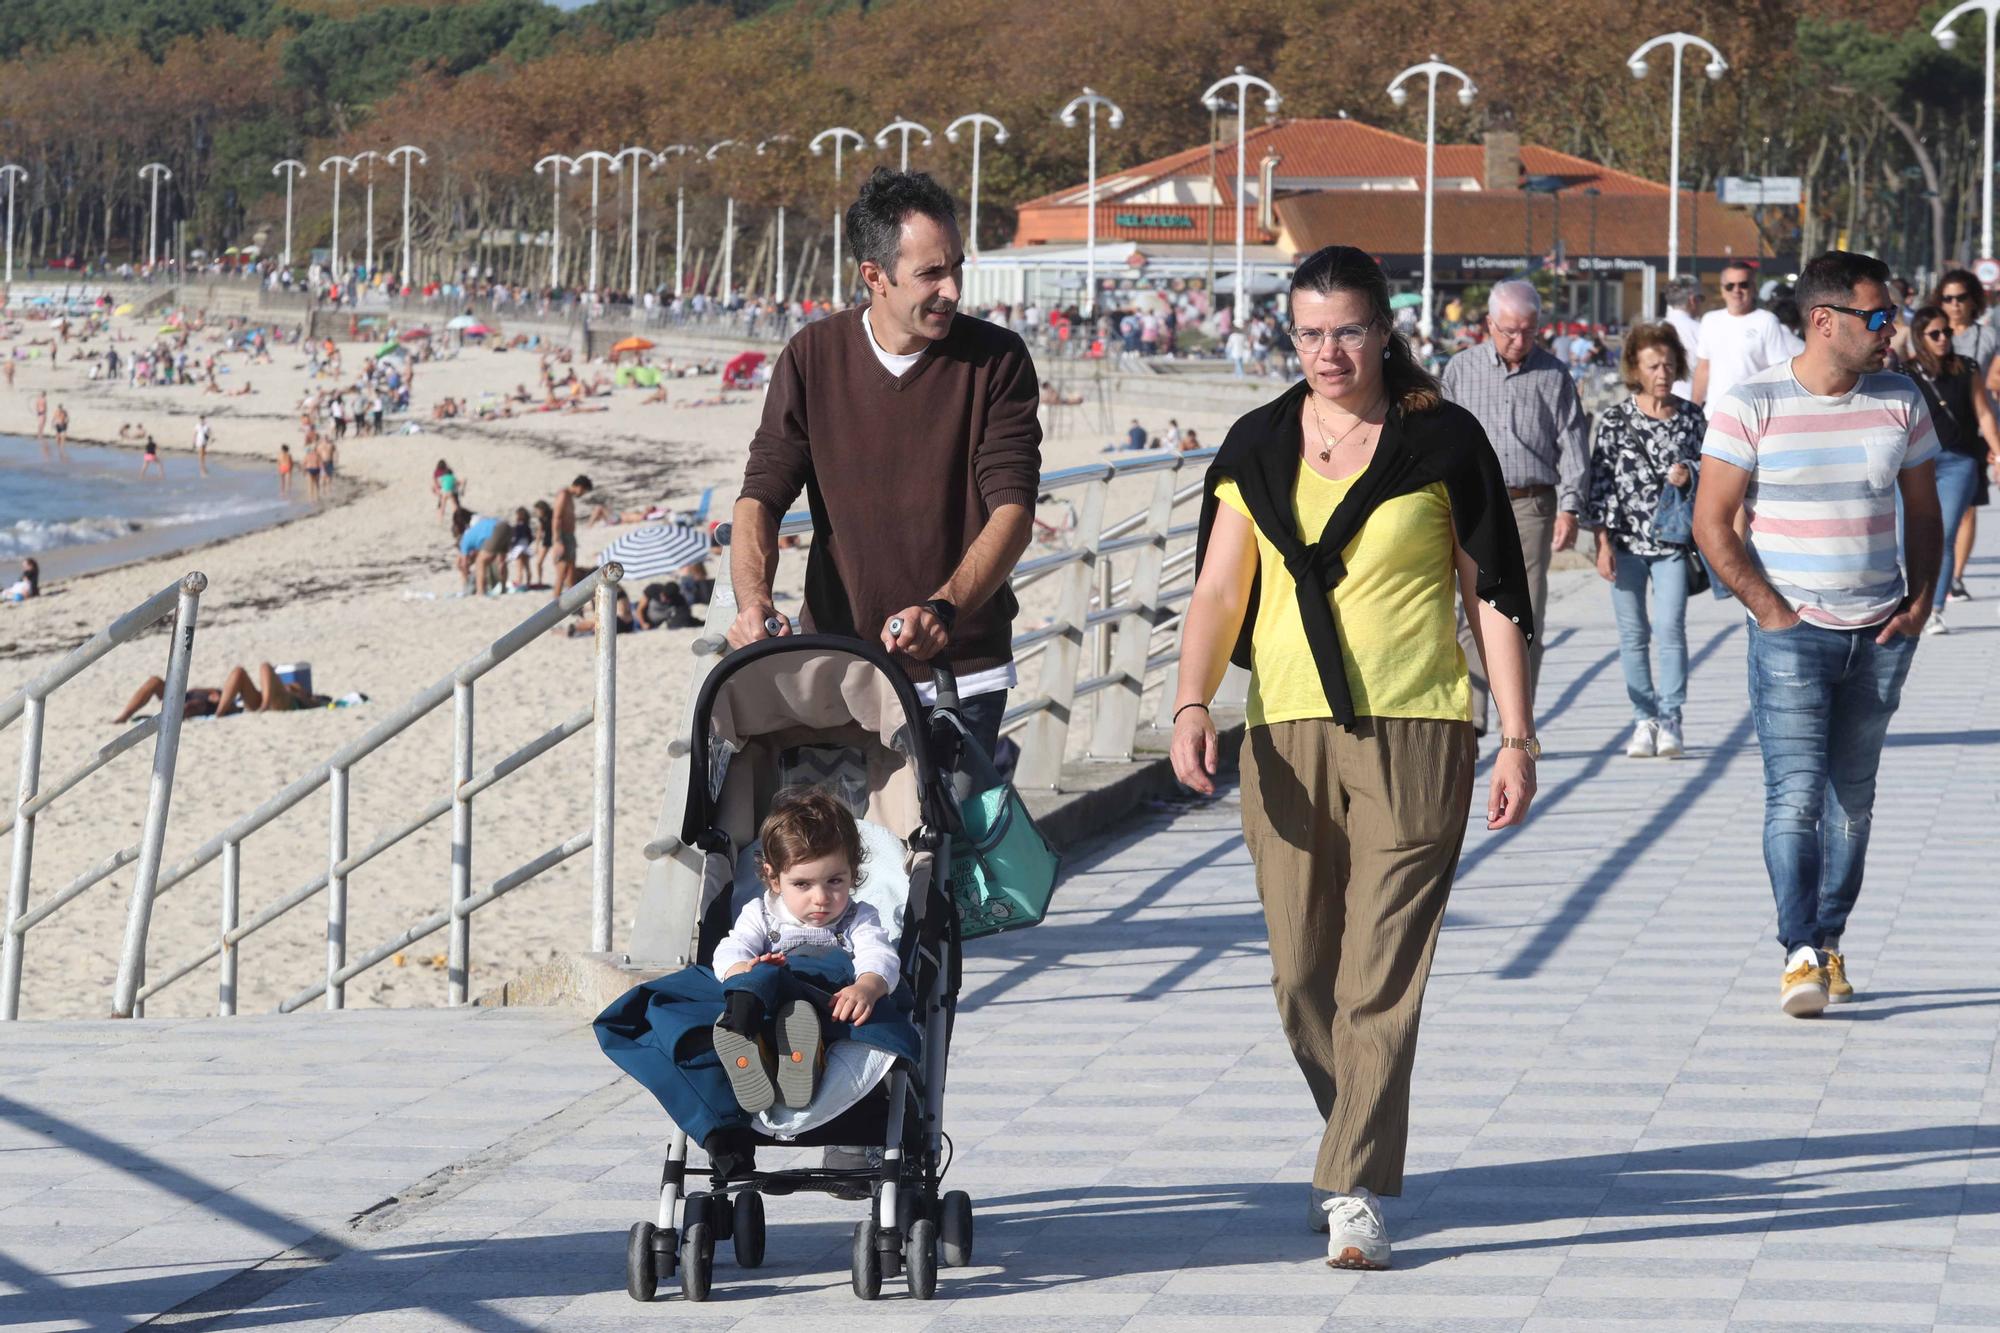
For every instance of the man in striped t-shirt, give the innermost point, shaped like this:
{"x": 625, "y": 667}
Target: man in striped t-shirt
{"x": 1814, "y": 453}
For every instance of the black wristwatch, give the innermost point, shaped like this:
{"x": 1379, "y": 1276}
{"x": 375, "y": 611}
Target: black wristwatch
{"x": 946, "y": 613}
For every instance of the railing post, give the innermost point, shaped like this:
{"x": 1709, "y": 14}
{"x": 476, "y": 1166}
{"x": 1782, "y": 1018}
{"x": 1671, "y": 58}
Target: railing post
{"x": 460, "y": 961}
{"x": 1045, "y": 738}
{"x": 1106, "y": 629}
{"x": 232, "y": 910}
{"x": 24, "y": 857}
{"x": 336, "y": 888}
{"x": 152, "y": 840}
{"x": 1117, "y": 712}
{"x": 605, "y": 775}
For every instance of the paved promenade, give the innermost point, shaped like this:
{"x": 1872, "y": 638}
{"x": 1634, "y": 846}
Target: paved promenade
{"x": 1615, "y": 1129}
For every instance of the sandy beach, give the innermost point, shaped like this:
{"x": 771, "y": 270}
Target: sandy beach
{"x": 363, "y": 589}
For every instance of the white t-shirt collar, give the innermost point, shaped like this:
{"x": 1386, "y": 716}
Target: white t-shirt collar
{"x": 896, "y": 365}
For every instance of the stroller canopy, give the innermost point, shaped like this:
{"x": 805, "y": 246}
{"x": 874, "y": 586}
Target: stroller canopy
{"x": 766, "y": 702}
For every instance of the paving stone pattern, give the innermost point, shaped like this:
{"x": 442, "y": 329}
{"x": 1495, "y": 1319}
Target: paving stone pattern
{"x": 1614, "y": 1128}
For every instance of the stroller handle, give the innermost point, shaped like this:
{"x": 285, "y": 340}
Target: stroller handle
{"x": 946, "y": 685}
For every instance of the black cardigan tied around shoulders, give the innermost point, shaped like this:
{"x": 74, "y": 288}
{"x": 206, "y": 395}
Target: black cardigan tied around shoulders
{"x": 1262, "y": 456}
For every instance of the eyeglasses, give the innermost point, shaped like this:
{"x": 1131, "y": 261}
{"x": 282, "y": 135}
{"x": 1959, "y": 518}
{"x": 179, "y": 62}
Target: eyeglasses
{"x": 1735, "y": 286}
{"x": 1877, "y": 319}
{"x": 1954, "y": 298}
{"x": 1351, "y": 337}
{"x": 1940, "y": 335}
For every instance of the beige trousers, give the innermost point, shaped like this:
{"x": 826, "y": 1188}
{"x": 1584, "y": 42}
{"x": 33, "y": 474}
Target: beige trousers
{"x": 1355, "y": 836}
{"x": 1535, "y": 519}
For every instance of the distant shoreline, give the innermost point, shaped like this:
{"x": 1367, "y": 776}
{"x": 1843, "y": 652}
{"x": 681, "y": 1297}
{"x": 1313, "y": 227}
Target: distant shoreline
{"x": 85, "y": 560}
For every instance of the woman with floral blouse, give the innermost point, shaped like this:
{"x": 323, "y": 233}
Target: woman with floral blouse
{"x": 1644, "y": 445}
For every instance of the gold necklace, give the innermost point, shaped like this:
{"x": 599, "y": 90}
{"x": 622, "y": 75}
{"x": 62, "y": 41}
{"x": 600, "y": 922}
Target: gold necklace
{"x": 1328, "y": 446}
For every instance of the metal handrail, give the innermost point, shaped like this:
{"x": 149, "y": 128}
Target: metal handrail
{"x": 1109, "y": 611}
{"x": 600, "y": 586}
{"x": 179, "y": 601}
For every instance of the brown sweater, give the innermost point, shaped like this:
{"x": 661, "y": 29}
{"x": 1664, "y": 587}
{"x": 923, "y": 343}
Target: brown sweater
{"x": 900, "y": 474}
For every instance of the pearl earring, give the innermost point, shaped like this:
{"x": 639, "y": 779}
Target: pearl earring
{"x": 1385, "y": 354}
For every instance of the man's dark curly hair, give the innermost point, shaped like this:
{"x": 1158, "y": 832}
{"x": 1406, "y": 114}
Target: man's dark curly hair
{"x": 875, "y": 219}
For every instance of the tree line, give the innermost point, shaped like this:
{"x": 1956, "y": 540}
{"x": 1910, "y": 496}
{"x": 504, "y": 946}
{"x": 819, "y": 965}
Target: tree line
{"x": 1857, "y": 99}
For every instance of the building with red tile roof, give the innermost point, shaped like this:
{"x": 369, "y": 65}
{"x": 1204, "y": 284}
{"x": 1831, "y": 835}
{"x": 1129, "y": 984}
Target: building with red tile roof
{"x": 1502, "y": 207}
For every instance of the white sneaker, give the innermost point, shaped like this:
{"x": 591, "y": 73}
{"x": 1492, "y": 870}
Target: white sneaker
{"x": 1644, "y": 742}
{"x": 1936, "y": 625}
{"x": 1356, "y": 1237}
{"x": 1667, "y": 743}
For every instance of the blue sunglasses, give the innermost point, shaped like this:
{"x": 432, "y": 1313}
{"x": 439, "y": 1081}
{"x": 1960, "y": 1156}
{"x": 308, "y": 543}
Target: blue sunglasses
{"x": 1876, "y": 318}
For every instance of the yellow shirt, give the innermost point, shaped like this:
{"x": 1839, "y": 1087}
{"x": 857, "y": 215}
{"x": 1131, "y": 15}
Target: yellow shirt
{"x": 1398, "y": 625}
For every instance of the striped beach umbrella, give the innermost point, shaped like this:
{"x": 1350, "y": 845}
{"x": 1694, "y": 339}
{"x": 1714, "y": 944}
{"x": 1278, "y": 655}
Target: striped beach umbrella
{"x": 658, "y": 550}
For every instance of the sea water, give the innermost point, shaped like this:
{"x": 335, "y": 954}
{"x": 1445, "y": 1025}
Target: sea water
{"x": 95, "y": 511}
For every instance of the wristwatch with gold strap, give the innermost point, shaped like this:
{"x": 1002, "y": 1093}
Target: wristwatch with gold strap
{"x": 1528, "y": 743}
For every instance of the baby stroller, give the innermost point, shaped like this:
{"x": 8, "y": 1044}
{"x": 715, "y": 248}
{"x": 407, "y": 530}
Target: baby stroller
{"x": 839, "y": 713}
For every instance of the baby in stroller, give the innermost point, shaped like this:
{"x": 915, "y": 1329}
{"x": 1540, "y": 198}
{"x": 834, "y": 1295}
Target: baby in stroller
{"x": 805, "y": 956}
{"x": 807, "y": 964}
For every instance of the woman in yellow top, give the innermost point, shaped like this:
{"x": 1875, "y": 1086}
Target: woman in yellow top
{"x": 1340, "y": 520}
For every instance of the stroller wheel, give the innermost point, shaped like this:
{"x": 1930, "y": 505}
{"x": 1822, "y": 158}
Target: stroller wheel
{"x": 747, "y": 1229}
{"x": 697, "y": 1260}
{"x": 955, "y": 1230}
{"x": 642, "y": 1275}
{"x": 867, "y": 1262}
{"x": 920, "y": 1258}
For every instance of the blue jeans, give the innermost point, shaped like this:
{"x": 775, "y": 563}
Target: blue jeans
{"x": 1822, "y": 700}
{"x": 1957, "y": 482}
{"x": 1667, "y": 628}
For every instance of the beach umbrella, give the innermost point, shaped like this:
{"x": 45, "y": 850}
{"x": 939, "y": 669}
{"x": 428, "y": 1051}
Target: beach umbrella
{"x": 388, "y": 349}
{"x": 658, "y": 550}
{"x": 415, "y": 335}
{"x": 631, "y": 345}
{"x": 645, "y": 377}
{"x": 125, "y": 309}
{"x": 460, "y": 322}
{"x": 475, "y": 331}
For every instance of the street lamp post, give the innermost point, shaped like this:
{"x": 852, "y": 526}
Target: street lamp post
{"x": 838, "y": 136}
{"x": 12, "y": 174}
{"x": 1091, "y": 101}
{"x": 1947, "y": 38}
{"x": 1715, "y": 69}
{"x": 978, "y": 120}
{"x": 291, "y": 169}
{"x": 728, "y": 226}
{"x": 1242, "y": 81}
{"x": 340, "y": 165}
{"x": 778, "y": 268}
{"x": 905, "y": 128}
{"x": 368, "y": 157}
{"x": 409, "y": 152}
{"x": 555, "y": 164}
{"x": 156, "y": 172}
{"x": 680, "y": 205}
{"x": 1596, "y": 277}
{"x": 597, "y": 158}
{"x": 653, "y": 160}
{"x": 1430, "y": 70}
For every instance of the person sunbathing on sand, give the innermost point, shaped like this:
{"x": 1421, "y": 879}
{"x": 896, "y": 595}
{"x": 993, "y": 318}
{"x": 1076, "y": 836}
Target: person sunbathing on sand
{"x": 237, "y": 695}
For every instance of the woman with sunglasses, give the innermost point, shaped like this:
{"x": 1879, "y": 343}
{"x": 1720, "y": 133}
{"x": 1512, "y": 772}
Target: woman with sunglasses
{"x": 1342, "y": 522}
{"x": 1965, "y": 424}
{"x": 1963, "y": 301}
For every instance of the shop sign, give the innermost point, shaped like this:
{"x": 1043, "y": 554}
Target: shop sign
{"x": 1167, "y": 221}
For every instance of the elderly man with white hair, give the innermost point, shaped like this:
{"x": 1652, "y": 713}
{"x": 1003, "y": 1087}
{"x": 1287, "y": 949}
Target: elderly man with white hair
{"x": 1527, "y": 402}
